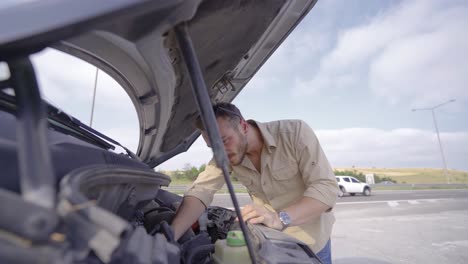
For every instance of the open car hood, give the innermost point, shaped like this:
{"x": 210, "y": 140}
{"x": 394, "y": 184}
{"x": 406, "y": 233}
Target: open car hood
{"x": 232, "y": 40}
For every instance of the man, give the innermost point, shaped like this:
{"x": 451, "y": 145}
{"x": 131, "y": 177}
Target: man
{"x": 285, "y": 171}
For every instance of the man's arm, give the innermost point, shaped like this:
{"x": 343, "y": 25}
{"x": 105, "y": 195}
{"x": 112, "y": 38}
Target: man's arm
{"x": 198, "y": 196}
{"x": 305, "y": 209}
{"x": 300, "y": 212}
{"x": 321, "y": 187}
{"x": 188, "y": 212}
{"x": 317, "y": 174}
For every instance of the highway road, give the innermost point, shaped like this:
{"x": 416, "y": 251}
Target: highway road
{"x": 421, "y": 226}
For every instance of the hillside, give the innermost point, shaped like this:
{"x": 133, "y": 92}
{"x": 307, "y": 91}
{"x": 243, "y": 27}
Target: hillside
{"x": 415, "y": 175}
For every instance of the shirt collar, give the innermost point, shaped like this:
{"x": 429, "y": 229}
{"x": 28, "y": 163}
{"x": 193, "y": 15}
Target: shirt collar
{"x": 268, "y": 138}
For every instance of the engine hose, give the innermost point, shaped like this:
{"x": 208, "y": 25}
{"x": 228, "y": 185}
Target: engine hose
{"x": 159, "y": 210}
{"x": 205, "y": 249}
{"x": 167, "y": 230}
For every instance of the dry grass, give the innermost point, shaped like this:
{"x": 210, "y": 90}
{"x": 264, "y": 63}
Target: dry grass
{"x": 415, "y": 175}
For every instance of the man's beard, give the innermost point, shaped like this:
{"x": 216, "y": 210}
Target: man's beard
{"x": 242, "y": 149}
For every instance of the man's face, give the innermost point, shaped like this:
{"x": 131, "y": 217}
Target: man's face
{"x": 234, "y": 140}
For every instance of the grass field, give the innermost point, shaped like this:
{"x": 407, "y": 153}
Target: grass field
{"x": 415, "y": 175}
{"x": 400, "y": 175}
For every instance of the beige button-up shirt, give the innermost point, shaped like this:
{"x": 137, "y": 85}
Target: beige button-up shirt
{"x": 293, "y": 165}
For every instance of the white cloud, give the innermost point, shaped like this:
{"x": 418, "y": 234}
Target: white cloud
{"x": 427, "y": 67}
{"x": 261, "y": 84}
{"x": 303, "y": 87}
{"x": 403, "y": 147}
{"x": 367, "y": 147}
{"x": 357, "y": 44}
{"x": 314, "y": 86}
{"x": 295, "y": 57}
{"x": 415, "y": 50}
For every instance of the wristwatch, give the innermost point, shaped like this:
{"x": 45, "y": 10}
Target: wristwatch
{"x": 285, "y": 219}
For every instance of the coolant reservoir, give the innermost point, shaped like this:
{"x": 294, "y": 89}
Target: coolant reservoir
{"x": 231, "y": 250}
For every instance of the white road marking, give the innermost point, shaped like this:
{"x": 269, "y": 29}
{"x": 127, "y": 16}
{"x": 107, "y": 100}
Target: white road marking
{"x": 372, "y": 230}
{"x": 392, "y": 203}
{"x": 413, "y": 202}
{"x": 463, "y": 243}
{"x": 375, "y": 202}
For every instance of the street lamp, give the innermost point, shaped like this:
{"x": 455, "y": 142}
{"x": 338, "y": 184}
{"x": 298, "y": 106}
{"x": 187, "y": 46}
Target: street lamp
{"x": 437, "y": 131}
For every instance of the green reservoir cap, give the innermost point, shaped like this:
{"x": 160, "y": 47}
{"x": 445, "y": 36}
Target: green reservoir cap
{"x": 235, "y": 239}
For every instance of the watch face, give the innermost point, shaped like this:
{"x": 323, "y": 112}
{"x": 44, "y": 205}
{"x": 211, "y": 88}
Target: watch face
{"x": 285, "y": 218}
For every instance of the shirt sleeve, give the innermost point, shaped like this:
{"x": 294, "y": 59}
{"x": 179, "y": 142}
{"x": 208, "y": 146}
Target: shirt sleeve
{"x": 207, "y": 184}
{"x": 316, "y": 171}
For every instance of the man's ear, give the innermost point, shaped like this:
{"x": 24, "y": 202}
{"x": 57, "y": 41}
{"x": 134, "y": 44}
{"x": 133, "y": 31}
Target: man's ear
{"x": 244, "y": 126}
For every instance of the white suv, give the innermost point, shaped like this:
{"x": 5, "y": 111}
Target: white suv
{"x": 352, "y": 186}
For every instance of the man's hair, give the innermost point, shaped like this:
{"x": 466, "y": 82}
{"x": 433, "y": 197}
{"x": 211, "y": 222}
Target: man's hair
{"x": 225, "y": 110}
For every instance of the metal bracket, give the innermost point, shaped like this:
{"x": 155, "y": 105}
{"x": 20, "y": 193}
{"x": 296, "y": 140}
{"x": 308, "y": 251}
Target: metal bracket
{"x": 37, "y": 179}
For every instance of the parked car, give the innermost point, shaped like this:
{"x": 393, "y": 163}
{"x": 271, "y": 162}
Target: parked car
{"x": 67, "y": 193}
{"x": 351, "y": 185}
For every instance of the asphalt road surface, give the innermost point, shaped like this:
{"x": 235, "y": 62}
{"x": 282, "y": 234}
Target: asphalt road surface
{"x": 424, "y": 226}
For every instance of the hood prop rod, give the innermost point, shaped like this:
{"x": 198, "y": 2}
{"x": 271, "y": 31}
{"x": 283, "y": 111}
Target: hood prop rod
{"x": 209, "y": 121}
{"x": 37, "y": 178}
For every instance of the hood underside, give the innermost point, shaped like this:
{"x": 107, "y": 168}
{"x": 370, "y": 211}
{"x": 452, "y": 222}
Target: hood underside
{"x": 232, "y": 40}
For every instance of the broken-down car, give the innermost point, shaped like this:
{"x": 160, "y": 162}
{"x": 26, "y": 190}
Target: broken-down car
{"x": 70, "y": 194}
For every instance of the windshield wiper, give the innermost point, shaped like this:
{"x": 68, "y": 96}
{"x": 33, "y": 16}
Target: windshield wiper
{"x": 63, "y": 118}
{"x": 68, "y": 124}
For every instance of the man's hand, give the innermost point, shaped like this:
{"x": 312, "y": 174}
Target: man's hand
{"x": 258, "y": 214}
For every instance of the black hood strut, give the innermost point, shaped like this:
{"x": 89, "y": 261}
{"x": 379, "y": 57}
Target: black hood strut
{"x": 209, "y": 121}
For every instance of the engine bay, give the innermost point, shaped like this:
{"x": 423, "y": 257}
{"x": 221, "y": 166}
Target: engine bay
{"x": 197, "y": 244}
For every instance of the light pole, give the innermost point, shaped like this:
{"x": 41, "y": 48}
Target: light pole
{"x": 437, "y": 131}
{"x": 94, "y": 97}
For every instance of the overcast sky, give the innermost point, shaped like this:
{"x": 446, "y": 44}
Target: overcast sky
{"x": 353, "y": 70}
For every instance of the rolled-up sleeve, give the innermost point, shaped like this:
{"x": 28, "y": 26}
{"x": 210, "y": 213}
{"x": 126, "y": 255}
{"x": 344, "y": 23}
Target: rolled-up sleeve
{"x": 316, "y": 171}
{"x": 207, "y": 184}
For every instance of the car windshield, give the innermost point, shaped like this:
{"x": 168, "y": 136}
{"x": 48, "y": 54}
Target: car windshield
{"x": 72, "y": 85}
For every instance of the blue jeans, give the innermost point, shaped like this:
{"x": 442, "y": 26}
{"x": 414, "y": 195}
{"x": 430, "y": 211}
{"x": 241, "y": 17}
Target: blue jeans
{"x": 325, "y": 254}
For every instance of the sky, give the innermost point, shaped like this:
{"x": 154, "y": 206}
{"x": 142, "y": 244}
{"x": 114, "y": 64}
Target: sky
{"x": 353, "y": 70}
